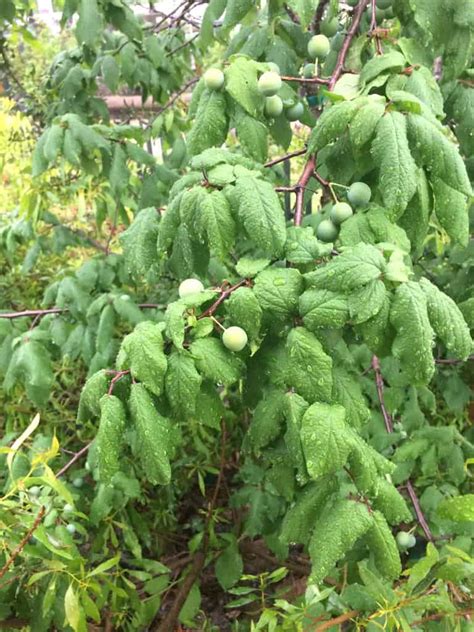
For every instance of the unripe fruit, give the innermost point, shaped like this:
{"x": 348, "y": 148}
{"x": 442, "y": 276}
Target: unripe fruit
{"x": 318, "y": 47}
{"x": 337, "y": 41}
{"x": 383, "y": 4}
{"x": 274, "y": 67}
{"x": 326, "y": 231}
{"x": 405, "y": 540}
{"x": 34, "y": 490}
{"x": 273, "y": 106}
{"x": 68, "y": 508}
{"x": 340, "y": 212}
{"x": 295, "y": 112}
{"x": 234, "y": 338}
{"x": 78, "y": 482}
{"x": 309, "y": 71}
{"x": 190, "y": 286}
{"x": 359, "y": 194}
{"x": 329, "y": 27}
{"x": 214, "y": 78}
{"x": 70, "y": 528}
{"x": 269, "y": 83}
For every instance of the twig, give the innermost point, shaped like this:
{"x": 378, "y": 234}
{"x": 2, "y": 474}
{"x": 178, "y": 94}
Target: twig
{"x": 419, "y": 512}
{"x": 320, "y": 80}
{"x": 373, "y": 29}
{"x": 75, "y": 458}
{"x": 337, "y": 620}
{"x": 30, "y": 313}
{"x": 452, "y": 362}
{"x": 186, "y": 43}
{"x": 293, "y": 154}
{"x": 347, "y": 42}
{"x": 118, "y": 376}
{"x": 300, "y": 186}
{"x": 16, "y": 552}
{"x": 441, "y": 615}
{"x": 176, "y": 96}
{"x": 319, "y": 15}
{"x": 224, "y": 294}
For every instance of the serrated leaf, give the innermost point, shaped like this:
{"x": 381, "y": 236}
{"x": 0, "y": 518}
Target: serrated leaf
{"x": 267, "y": 419}
{"x": 373, "y": 227}
{"x": 235, "y": 11}
{"x": 451, "y": 208}
{"x": 390, "y": 502}
{"x": 243, "y": 310}
{"x": 348, "y": 393}
{"x": 367, "y": 301}
{"x": 252, "y": 135}
{"x": 110, "y": 436}
{"x": 295, "y": 407}
{"x": 310, "y": 368}
{"x": 216, "y": 221}
{"x": 415, "y": 219}
{"x": 362, "y": 126}
{"x": 352, "y": 269}
{"x": 332, "y": 124}
{"x": 447, "y": 321}
{"x": 277, "y": 291}
{"x": 323, "y": 308}
{"x": 459, "y": 509}
{"x": 153, "y": 436}
{"x": 139, "y": 241}
{"x": 302, "y": 246}
{"x": 229, "y": 566}
{"x": 215, "y": 362}
{"x": 213, "y": 11}
{"x": 335, "y": 533}
{"x": 182, "y": 384}
{"x": 89, "y": 25}
{"x": 31, "y": 364}
{"x": 241, "y": 84}
{"x": 210, "y": 124}
{"x": 414, "y": 335}
{"x": 72, "y": 608}
{"x": 383, "y": 547}
{"x": 393, "y": 61}
{"x": 261, "y": 213}
{"x": 392, "y": 154}
{"x": 249, "y": 268}
{"x": 327, "y": 440}
{"x": 91, "y": 394}
{"x": 142, "y": 353}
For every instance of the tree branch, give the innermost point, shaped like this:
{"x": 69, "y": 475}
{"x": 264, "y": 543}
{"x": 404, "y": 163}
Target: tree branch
{"x": 16, "y": 552}
{"x": 275, "y": 161}
{"x": 300, "y": 187}
{"x": 224, "y": 294}
{"x": 347, "y": 616}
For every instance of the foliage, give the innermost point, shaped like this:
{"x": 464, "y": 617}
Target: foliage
{"x": 341, "y": 418}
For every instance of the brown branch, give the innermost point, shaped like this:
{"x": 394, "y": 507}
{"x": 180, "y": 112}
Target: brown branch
{"x": 300, "y": 187}
{"x": 419, "y": 512}
{"x": 176, "y": 96}
{"x": 319, "y": 15}
{"x": 337, "y": 620}
{"x": 275, "y": 161}
{"x": 319, "y": 80}
{"x": 75, "y": 458}
{"x": 373, "y": 28}
{"x": 16, "y": 552}
{"x": 223, "y": 296}
{"x": 453, "y": 362}
{"x": 341, "y": 58}
{"x": 441, "y": 615}
{"x": 118, "y": 376}
{"x": 29, "y": 313}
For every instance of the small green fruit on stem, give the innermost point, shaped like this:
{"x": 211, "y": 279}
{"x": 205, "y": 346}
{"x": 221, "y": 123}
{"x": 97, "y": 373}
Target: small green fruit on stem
{"x": 273, "y": 106}
{"x": 326, "y": 231}
{"x": 340, "y": 212}
{"x": 318, "y": 47}
{"x": 359, "y": 194}
{"x": 295, "y": 112}
{"x": 190, "y": 286}
{"x": 214, "y": 78}
{"x": 234, "y": 338}
{"x": 405, "y": 540}
{"x": 269, "y": 83}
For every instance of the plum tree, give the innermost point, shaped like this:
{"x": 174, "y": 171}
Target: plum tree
{"x": 340, "y": 212}
{"x": 330, "y": 27}
{"x": 190, "y": 286}
{"x": 318, "y": 47}
{"x": 234, "y": 338}
{"x": 359, "y": 194}
{"x": 269, "y": 83}
{"x": 327, "y": 231}
{"x": 214, "y": 78}
{"x": 273, "y": 106}
{"x": 295, "y": 112}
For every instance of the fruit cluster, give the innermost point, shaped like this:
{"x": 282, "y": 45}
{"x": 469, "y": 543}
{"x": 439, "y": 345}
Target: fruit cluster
{"x": 358, "y": 195}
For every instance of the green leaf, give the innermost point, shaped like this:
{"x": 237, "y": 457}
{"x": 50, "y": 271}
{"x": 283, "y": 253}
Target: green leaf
{"x": 391, "y": 503}
{"x": 110, "y": 73}
{"x": 373, "y": 227}
{"x": 252, "y": 135}
{"x": 326, "y": 438}
{"x": 235, "y": 11}
{"x": 105, "y": 330}
{"x": 331, "y": 124}
{"x": 229, "y": 566}
{"x": 267, "y": 419}
{"x": 241, "y": 84}
{"x": 347, "y": 392}
{"x": 139, "y": 242}
{"x": 213, "y": 12}
{"x": 295, "y": 407}
{"x": 142, "y": 353}
{"x": 89, "y": 26}
{"x": 302, "y": 246}
{"x": 377, "y": 332}
{"x": 391, "y": 153}
{"x": 31, "y": 364}
{"x": 354, "y": 268}
{"x": 393, "y": 61}
{"x": 310, "y": 368}
{"x": 72, "y": 608}
{"x": 322, "y": 308}
{"x": 383, "y": 547}
{"x": 459, "y": 509}
{"x": 243, "y": 310}
{"x": 277, "y": 291}
{"x": 367, "y": 301}
{"x": 247, "y": 267}
{"x": 210, "y": 123}
{"x": 447, "y": 321}
{"x": 182, "y": 384}
{"x": 414, "y": 335}
{"x": 153, "y": 436}
{"x": 305, "y": 10}
{"x": 261, "y": 213}
{"x": 363, "y": 125}
{"x": 415, "y": 219}
{"x": 335, "y": 533}
{"x": 91, "y": 394}
{"x": 300, "y": 519}
{"x": 110, "y": 436}
{"x": 53, "y": 143}
{"x": 451, "y": 208}
{"x": 216, "y": 221}
{"x": 215, "y": 362}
